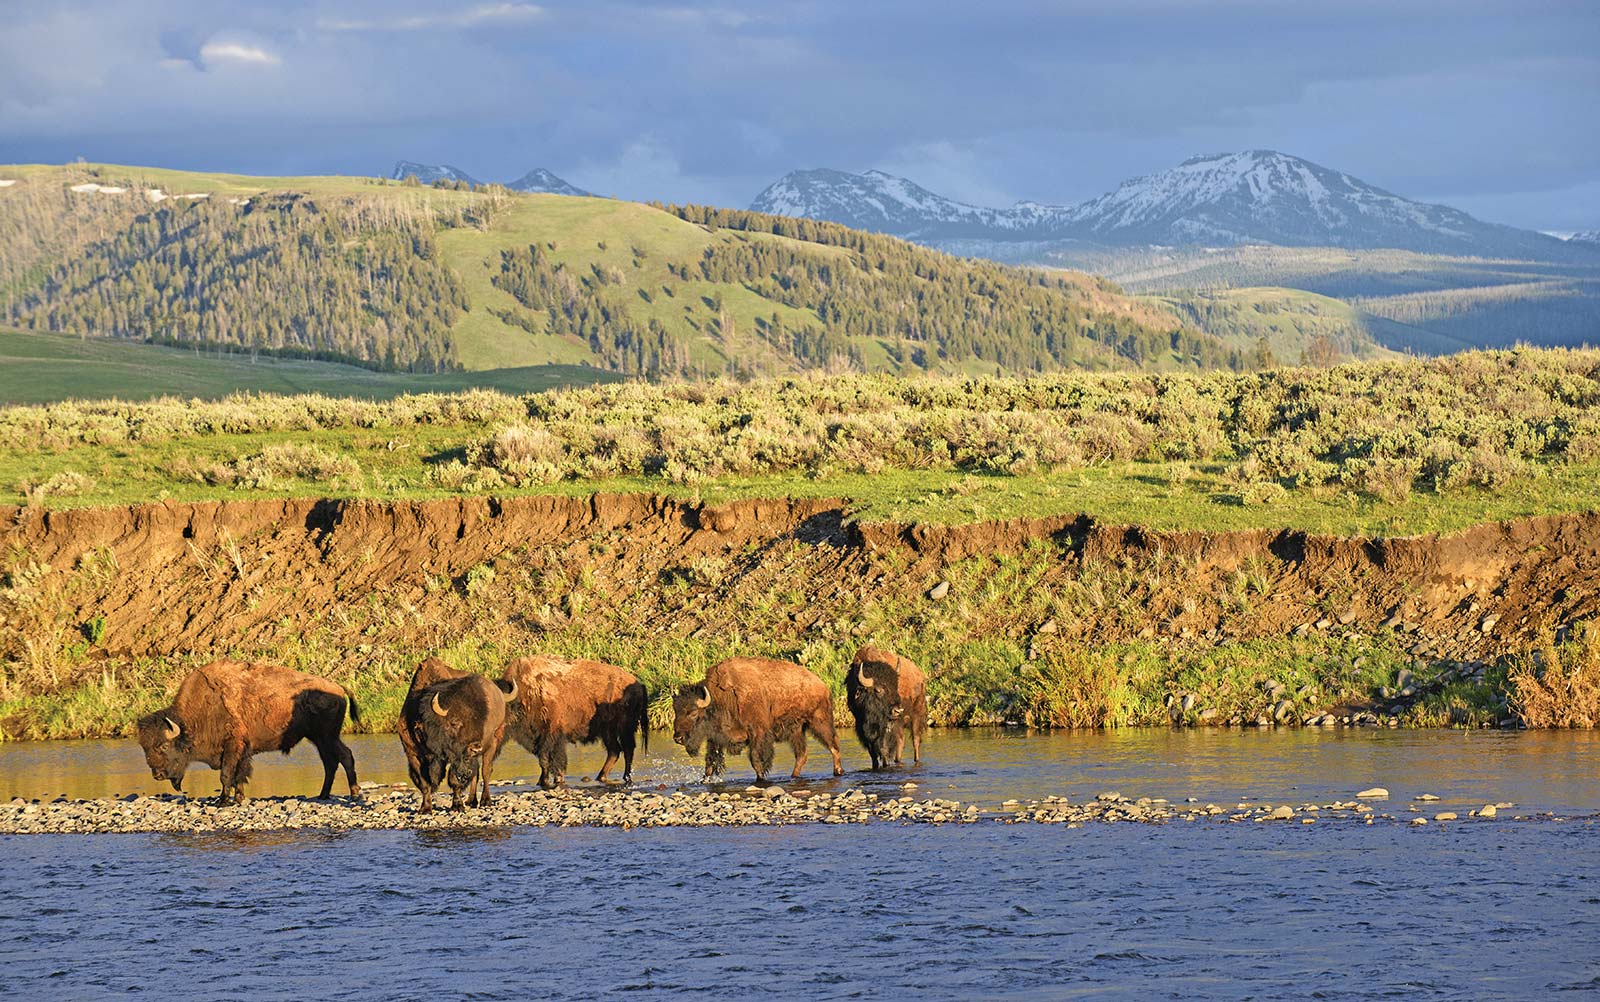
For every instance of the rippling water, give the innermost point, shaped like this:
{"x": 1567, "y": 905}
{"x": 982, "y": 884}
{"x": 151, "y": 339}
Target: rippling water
{"x": 1470, "y": 910}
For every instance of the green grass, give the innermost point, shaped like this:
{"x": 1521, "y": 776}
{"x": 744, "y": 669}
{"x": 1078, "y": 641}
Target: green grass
{"x": 41, "y": 368}
{"x": 395, "y": 466}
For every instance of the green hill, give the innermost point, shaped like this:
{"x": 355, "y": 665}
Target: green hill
{"x": 1282, "y": 325}
{"x": 396, "y": 277}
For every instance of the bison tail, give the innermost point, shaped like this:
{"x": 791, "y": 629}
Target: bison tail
{"x": 350, "y": 700}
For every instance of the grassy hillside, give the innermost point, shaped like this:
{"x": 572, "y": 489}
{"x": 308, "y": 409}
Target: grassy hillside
{"x": 1283, "y": 325}
{"x": 398, "y": 277}
{"x": 38, "y": 368}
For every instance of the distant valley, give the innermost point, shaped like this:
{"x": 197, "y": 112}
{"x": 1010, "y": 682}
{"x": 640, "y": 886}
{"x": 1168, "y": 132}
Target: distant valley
{"x": 1415, "y": 276}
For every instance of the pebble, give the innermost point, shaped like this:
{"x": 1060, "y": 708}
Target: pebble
{"x": 1375, "y": 793}
{"x": 939, "y": 590}
{"x": 1426, "y": 796}
{"x": 514, "y": 806}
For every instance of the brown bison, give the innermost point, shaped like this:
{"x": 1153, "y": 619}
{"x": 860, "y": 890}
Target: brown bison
{"x": 228, "y": 711}
{"x": 452, "y": 724}
{"x": 581, "y": 701}
{"x": 887, "y": 694}
{"x": 754, "y": 702}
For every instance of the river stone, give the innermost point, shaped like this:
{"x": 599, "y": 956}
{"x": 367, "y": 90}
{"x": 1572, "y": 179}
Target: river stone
{"x": 1375, "y": 793}
{"x": 1445, "y": 816}
{"x": 939, "y": 590}
{"x": 1426, "y": 796}
{"x": 1187, "y": 702}
{"x": 1283, "y": 813}
{"x": 1419, "y": 821}
{"x": 1281, "y": 710}
{"x": 1487, "y": 811}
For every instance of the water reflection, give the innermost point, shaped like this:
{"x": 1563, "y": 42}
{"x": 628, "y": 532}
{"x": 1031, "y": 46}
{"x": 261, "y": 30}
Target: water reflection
{"x": 1544, "y": 770}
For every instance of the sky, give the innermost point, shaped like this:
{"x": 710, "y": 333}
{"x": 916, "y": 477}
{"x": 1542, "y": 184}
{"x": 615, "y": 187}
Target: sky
{"x": 1487, "y": 106}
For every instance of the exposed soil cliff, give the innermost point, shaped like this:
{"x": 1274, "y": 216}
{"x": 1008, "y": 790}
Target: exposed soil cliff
{"x": 166, "y": 578}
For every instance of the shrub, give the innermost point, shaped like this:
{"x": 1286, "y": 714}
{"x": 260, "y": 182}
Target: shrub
{"x": 1559, "y": 686}
{"x": 66, "y": 484}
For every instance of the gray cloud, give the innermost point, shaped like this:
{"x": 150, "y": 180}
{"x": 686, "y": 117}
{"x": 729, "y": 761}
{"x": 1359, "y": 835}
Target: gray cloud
{"x": 1487, "y": 103}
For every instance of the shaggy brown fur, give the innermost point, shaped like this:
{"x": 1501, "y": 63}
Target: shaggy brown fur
{"x": 894, "y": 702}
{"x": 460, "y": 743}
{"x": 228, "y": 711}
{"x": 755, "y": 702}
{"x": 578, "y": 701}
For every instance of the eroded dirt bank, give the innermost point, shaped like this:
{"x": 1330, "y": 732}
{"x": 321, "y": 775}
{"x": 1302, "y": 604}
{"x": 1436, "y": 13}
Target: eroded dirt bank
{"x": 163, "y": 579}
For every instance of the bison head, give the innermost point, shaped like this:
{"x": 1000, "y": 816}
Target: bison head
{"x": 690, "y": 721}
{"x": 874, "y": 697}
{"x": 166, "y": 747}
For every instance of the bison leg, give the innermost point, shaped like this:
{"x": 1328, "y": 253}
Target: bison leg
{"x": 347, "y": 759}
{"x": 330, "y": 765}
{"x": 432, "y": 776}
{"x": 553, "y": 763}
{"x": 627, "y": 755}
{"x": 235, "y": 770}
{"x": 798, "y": 743}
{"x": 821, "y": 725}
{"x": 485, "y": 770}
{"x": 760, "y": 753}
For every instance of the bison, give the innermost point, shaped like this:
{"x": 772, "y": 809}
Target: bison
{"x": 754, "y": 702}
{"x": 580, "y": 701}
{"x": 887, "y": 694}
{"x": 228, "y": 711}
{"x": 453, "y": 723}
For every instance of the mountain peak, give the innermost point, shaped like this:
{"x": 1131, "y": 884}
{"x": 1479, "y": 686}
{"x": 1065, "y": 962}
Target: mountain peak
{"x": 887, "y": 203}
{"x": 541, "y": 180}
{"x": 429, "y": 173}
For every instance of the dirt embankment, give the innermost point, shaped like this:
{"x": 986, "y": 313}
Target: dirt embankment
{"x": 169, "y": 578}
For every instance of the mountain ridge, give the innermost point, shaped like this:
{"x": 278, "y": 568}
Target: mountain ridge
{"x": 536, "y": 181}
{"x": 1250, "y": 197}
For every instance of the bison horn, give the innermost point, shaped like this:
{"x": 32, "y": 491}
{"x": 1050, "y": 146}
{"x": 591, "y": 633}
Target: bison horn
{"x": 866, "y": 680}
{"x": 440, "y": 710}
{"x": 173, "y": 730}
{"x": 705, "y": 698}
{"x": 511, "y": 693}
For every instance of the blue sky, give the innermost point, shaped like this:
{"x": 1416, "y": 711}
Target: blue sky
{"x": 1489, "y": 106}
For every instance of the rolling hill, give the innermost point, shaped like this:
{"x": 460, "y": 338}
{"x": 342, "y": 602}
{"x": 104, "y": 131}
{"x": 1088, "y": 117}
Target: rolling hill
{"x": 393, "y": 276}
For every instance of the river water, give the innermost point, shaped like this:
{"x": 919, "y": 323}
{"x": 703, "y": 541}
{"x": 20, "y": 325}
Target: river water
{"x": 1473, "y": 909}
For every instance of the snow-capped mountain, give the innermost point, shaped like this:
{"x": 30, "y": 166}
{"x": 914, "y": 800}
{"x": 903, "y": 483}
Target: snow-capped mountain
{"x": 537, "y": 180}
{"x": 1254, "y": 197}
{"x": 429, "y": 173}
{"x": 1585, "y": 237}
{"x": 1266, "y": 197}
{"x": 541, "y": 180}
{"x": 884, "y": 203}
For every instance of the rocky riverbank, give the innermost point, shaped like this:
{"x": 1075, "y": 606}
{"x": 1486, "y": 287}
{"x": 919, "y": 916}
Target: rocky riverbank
{"x": 396, "y": 808}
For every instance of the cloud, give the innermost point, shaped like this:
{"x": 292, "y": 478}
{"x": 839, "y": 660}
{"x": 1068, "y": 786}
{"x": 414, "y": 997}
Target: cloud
{"x": 494, "y": 13}
{"x": 217, "y": 52}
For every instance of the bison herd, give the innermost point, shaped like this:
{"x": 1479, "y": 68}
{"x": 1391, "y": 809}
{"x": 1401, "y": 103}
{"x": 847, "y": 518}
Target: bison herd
{"x": 453, "y": 723}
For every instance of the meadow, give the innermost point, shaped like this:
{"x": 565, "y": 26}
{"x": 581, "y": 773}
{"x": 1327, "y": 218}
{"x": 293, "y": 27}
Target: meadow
{"x": 1383, "y": 448}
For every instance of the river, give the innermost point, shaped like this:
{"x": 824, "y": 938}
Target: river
{"x": 1474, "y": 909}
